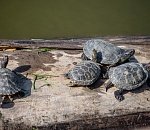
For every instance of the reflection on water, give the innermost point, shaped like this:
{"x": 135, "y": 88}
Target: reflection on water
{"x": 73, "y": 18}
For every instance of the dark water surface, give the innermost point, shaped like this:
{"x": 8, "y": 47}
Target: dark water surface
{"x": 21, "y": 19}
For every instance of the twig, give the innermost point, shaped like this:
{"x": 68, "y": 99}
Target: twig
{"x": 34, "y": 81}
{"x": 37, "y": 77}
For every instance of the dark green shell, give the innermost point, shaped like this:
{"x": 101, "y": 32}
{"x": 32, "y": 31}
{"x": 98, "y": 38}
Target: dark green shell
{"x": 84, "y": 73}
{"x": 128, "y": 76}
{"x": 8, "y": 82}
{"x": 107, "y": 53}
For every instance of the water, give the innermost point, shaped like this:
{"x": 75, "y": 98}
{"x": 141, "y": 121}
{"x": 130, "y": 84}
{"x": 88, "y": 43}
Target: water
{"x": 25, "y": 19}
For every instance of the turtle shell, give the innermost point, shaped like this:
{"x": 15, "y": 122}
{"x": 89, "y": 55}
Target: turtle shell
{"x": 107, "y": 53}
{"x": 85, "y": 73}
{"x": 128, "y": 76}
{"x": 8, "y": 82}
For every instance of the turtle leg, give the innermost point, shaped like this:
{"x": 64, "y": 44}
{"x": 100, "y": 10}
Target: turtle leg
{"x": 4, "y": 62}
{"x": 104, "y": 72}
{"x": 94, "y": 55}
{"x": 84, "y": 57}
{"x": 119, "y": 95}
{"x": 6, "y": 100}
{"x": 105, "y": 76}
{"x": 108, "y": 85}
{"x": 71, "y": 84}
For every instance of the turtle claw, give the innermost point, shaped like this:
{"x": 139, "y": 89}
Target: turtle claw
{"x": 7, "y": 103}
{"x": 108, "y": 85}
{"x": 118, "y": 95}
{"x": 106, "y": 89}
{"x": 105, "y": 76}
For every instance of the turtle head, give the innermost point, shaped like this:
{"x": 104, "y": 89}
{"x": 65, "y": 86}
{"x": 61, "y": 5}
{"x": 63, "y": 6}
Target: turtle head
{"x": 94, "y": 55}
{"x": 127, "y": 54}
{"x": 4, "y": 61}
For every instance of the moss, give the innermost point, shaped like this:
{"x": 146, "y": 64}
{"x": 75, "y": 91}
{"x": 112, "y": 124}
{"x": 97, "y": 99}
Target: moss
{"x": 38, "y": 77}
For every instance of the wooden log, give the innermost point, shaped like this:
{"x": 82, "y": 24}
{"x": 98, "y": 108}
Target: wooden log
{"x": 73, "y": 43}
{"x": 54, "y": 105}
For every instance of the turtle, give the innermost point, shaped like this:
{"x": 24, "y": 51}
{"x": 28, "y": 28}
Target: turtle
{"x": 128, "y": 76}
{"x": 84, "y": 73}
{"x": 107, "y": 53}
{"x": 8, "y": 81}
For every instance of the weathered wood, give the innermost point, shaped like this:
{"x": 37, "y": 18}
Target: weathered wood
{"x": 53, "y": 105}
{"x": 73, "y": 43}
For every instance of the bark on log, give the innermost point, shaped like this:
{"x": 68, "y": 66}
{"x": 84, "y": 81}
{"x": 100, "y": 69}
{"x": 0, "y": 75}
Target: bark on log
{"x": 73, "y": 43}
{"x": 53, "y": 105}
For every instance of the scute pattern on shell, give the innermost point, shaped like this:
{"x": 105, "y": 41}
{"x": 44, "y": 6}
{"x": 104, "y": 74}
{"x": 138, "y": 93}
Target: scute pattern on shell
{"x": 8, "y": 82}
{"x": 128, "y": 76}
{"x": 85, "y": 73}
{"x": 107, "y": 52}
